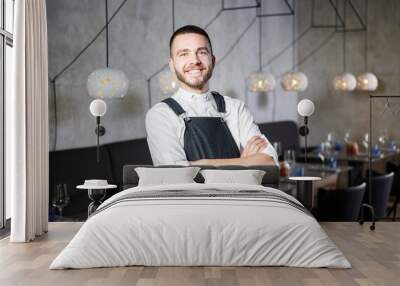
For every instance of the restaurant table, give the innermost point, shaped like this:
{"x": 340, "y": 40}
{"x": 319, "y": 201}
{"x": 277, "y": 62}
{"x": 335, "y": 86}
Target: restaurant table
{"x": 330, "y": 178}
{"x": 359, "y": 163}
{"x": 304, "y": 189}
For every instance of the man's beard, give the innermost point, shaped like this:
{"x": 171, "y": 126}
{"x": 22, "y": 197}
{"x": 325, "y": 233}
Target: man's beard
{"x": 199, "y": 84}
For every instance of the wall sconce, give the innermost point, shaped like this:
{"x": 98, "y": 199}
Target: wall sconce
{"x": 345, "y": 81}
{"x": 98, "y": 108}
{"x": 294, "y": 81}
{"x": 305, "y": 108}
{"x": 367, "y": 82}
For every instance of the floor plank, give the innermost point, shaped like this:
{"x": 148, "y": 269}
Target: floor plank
{"x": 375, "y": 257}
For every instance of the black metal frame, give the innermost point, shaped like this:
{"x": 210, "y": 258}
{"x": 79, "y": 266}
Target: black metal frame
{"x": 342, "y": 20}
{"x": 337, "y": 17}
{"x": 290, "y": 13}
{"x": 2, "y": 91}
{"x": 149, "y": 78}
{"x": 6, "y": 39}
{"x": 369, "y": 205}
{"x": 257, "y": 5}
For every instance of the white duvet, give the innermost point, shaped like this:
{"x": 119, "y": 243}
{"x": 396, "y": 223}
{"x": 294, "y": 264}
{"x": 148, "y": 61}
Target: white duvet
{"x": 182, "y": 231}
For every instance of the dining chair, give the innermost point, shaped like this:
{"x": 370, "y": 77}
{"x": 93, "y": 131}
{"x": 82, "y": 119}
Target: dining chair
{"x": 340, "y": 204}
{"x": 395, "y": 191}
{"x": 377, "y": 201}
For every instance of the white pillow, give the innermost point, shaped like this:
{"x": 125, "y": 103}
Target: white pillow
{"x": 248, "y": 177}
{"x": 166, "y": 176}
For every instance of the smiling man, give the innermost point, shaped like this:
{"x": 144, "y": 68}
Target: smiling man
{"x": 197, "y": 126}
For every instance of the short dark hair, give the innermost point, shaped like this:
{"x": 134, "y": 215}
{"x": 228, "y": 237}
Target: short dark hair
{"x": 189, "y": 29}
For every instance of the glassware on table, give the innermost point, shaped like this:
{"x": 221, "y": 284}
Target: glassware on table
{"x": 284, "y": 169}
{"x": 352, "y": 149}
{"x": 338, "y": 146}
{"x": 297, "y": 171}
{"x": 278, "y": 148}
{"x": 321, "y": 156}
{"x": 331, "y": 163}
{"x": 365, "y": 142}
{"x": 60, "y": 197}
{"x": 326, "y": 148}
{"x": 376, "y": 151}
{"x": 392, "y": 146}
{"x": 383, "y": 138}
{"x": 347, "y": 136}
{"x": 289, "y": 156}
{"x": 331, "y": 138}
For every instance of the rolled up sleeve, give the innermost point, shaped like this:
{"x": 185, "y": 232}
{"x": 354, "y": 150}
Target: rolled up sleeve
{"x": 162, "y": 138}
{"x": 248, "y": 129}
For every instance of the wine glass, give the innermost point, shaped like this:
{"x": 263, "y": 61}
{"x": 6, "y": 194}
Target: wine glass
{"x": 278, "y": 148}
{"x": 347, "y": 136}
{"x": 60, "y": 197}
{"x": 365, "y": 142}
{"x": 383, "y": 138}
{"x": 331, "y": 138}
{"x": 289, "y": 157}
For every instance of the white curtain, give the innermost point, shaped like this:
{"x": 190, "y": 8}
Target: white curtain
{"x": 27, "y": 145}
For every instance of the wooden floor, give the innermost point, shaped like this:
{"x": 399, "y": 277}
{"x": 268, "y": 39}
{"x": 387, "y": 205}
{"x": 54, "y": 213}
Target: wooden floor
{"x": 375, "y": 256}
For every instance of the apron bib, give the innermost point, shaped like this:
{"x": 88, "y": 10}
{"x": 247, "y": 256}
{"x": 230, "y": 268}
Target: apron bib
{"x": 206, "y": 137}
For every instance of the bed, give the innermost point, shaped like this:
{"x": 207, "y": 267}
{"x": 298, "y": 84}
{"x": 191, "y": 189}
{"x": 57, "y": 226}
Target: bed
{"x": 198, "y": 224}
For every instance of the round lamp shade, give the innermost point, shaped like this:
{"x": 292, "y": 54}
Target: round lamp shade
{"x": 107, "y": 83}
{"x": 98, "y": 107}
{"x": 367, "y": 81}
{"x": 345, "y": 81}
{"x": 260, "y": 82}
{"x": 294, "y": 81}
{"x": 168, "y": 82}
{"x": 305, "y": 107}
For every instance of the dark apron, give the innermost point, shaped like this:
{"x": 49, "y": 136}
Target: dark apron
{"x": 206, "y": 137}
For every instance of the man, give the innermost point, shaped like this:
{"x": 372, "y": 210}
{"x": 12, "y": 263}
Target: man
{"x": 199, "y": 127}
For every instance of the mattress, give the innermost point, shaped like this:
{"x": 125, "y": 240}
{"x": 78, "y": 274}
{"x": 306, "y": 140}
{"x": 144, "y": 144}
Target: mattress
{"x": 201, "y": 225}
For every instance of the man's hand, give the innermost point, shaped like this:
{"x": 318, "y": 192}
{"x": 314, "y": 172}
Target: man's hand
{"x": 250, "y": 155}
{"x": 255, "y": 145}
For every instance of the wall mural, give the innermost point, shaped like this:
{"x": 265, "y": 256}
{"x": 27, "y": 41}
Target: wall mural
{"x": 238, "y": 14}
{"x": 136, "y": 35}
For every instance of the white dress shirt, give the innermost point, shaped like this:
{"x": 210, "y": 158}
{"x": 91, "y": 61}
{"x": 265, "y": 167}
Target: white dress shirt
{"x": 165, "y": 130}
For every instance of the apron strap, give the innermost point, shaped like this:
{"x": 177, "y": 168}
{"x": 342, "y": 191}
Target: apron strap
{"x": 220, "y": 101}
{"x": 174, "y": 106}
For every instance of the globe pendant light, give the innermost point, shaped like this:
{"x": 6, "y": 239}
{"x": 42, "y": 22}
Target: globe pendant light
{"x": 294, "y": 81}
{"x": 367, "y": 82}
{"x": 168, "y": 82}
{"x": 107, "y": 82}
{"x": 345, "y": 82}
{"x": 259, "y": 81}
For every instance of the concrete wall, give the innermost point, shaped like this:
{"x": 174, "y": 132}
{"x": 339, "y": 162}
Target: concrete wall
{"x": 376, "y": 50}
{"x": 139, "y": 36}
